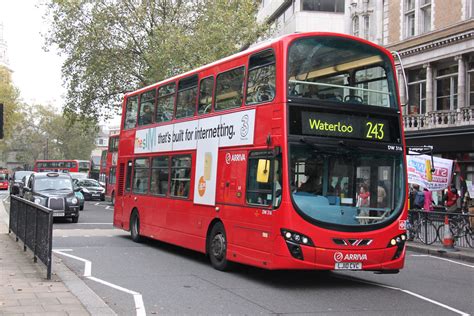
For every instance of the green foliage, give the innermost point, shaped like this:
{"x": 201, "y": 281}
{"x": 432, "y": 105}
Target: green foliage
{"x": 115, "y": 46}
{"x": 43, "y": 133}
{"x": 9, "y": 97}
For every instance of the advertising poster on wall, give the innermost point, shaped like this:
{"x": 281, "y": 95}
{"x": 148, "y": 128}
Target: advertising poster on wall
{"x": 419, "y": 173}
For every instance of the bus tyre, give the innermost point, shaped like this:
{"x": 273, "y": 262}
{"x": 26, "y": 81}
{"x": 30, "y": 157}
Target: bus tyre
{"x": 217, "y": 248}
{"x": 135, "y": 227}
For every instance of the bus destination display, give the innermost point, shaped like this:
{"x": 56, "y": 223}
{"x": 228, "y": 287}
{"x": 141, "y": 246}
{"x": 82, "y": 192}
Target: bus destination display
{"x": 325, "y": 124}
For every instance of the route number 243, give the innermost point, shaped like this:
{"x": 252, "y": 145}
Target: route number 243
{"x": 375, "y": 130}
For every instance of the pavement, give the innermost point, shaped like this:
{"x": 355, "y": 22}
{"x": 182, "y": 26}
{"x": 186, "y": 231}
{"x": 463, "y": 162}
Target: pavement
{"x": 24, "y": 289}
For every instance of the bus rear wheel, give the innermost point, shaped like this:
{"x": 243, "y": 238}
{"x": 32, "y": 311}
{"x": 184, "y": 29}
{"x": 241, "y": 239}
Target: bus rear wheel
{"x": 135, "y": 227}
{"x": 217, "y": 248}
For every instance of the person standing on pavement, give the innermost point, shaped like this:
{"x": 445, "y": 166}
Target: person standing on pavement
{"x": 428, "y": 203}
{"x": 452, "y": 197}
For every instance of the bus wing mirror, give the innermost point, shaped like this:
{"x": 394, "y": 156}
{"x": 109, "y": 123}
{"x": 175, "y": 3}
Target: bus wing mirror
{"x": 396, "y": 54}
{"x": 263, "y": 170}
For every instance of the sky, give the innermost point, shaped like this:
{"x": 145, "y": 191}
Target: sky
{"x": 36, "y": 73}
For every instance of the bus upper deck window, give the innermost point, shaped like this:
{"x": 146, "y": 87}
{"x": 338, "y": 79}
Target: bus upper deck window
{"x": 261, "y": 82}
{"x": 229, "y": 89}
{"x": 186, "y": 98}
{"x": 205, "y": 95}
{"x": 131, "y": 113}
{"x": 147, "y": 106}
{"x": 165, "y": 104}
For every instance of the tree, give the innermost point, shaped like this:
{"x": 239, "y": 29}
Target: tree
{"x": 9, "y": 97}
{"x": 115, "y": 46}
{"x": 42, "y": 133}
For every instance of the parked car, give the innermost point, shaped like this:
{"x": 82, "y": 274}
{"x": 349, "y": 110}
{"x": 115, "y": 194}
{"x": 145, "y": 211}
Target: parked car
{"x": 55, "y": 191}
{"x": 91, "y": 189}
{"x": 16, "y": 183}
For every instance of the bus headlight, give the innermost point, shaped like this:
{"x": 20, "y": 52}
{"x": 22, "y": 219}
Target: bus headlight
{"x": 399, "y": 242}
{"x": 296, "y": 237}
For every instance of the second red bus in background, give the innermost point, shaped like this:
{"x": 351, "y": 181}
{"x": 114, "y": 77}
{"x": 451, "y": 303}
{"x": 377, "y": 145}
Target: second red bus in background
{"x": 108, "y": 168}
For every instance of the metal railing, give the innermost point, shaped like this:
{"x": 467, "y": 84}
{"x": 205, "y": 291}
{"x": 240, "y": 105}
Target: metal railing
{"x": 439, "y": 119}
{"x": 33, "y": 224}
{"x": 428, "y": 227}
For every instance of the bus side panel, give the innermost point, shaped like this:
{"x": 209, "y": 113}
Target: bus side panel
{"x": 247, "y": 227}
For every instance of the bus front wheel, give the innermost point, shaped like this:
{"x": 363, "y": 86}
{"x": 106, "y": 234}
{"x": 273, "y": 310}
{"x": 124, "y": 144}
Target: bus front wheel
{"x": 135, "y": 227}
{"x": 217, "y": 248}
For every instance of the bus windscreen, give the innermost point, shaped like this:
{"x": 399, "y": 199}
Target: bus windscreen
{"x": 340, "y": 70}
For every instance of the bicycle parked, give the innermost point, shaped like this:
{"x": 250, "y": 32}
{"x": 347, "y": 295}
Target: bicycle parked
{"x": 422, "y": 228}
{"x": 460, "y": 228}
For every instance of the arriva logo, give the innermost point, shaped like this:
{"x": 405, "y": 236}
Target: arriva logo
{"x": 338, "y": 257}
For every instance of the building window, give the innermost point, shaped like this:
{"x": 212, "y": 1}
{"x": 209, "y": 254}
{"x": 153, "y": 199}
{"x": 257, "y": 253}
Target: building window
{"x": 425, "y": 16}
{"x": 417, "y": 91}
{"x": 323, "y": 5}
{"x": 417, "y": 17}
{"x": 470, "y": 75}
{"x": 447, "y": 88}
{"x": 366, "y": 27}
{"x": 409, "y": 18}
{"x": 355, "y": 25}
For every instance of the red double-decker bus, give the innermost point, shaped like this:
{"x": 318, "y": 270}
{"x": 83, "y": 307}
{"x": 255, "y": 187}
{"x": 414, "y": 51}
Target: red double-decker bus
{"x": 56, "y": 165}
{"x": 289, "y": 155}
{"x": 108, "y": 167}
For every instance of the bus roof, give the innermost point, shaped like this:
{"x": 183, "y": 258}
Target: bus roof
{"x": 259, "y": 46}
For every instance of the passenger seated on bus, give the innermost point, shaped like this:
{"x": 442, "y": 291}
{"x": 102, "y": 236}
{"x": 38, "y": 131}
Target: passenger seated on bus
{"x": 313, "y": 182}
{"x": 312, "y": 92}
{"x": 183, "y": 189}
{"x": 155, "y": 187}
{"x": 146, "y": 116}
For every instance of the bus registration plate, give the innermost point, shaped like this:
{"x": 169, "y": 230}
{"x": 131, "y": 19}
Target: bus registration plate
{"x": 348, "y": 266}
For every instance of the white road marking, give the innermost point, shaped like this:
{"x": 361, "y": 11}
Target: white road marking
{"x": 5, "y": 199}
{"x": 137, "y": 297}
{"x": 87, "y": 263}
{"x": 449, "y": 260}
{"x": 409, "y": 293}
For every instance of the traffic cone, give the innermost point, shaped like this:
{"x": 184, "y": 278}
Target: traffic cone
{"x": 448, "y": 239}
